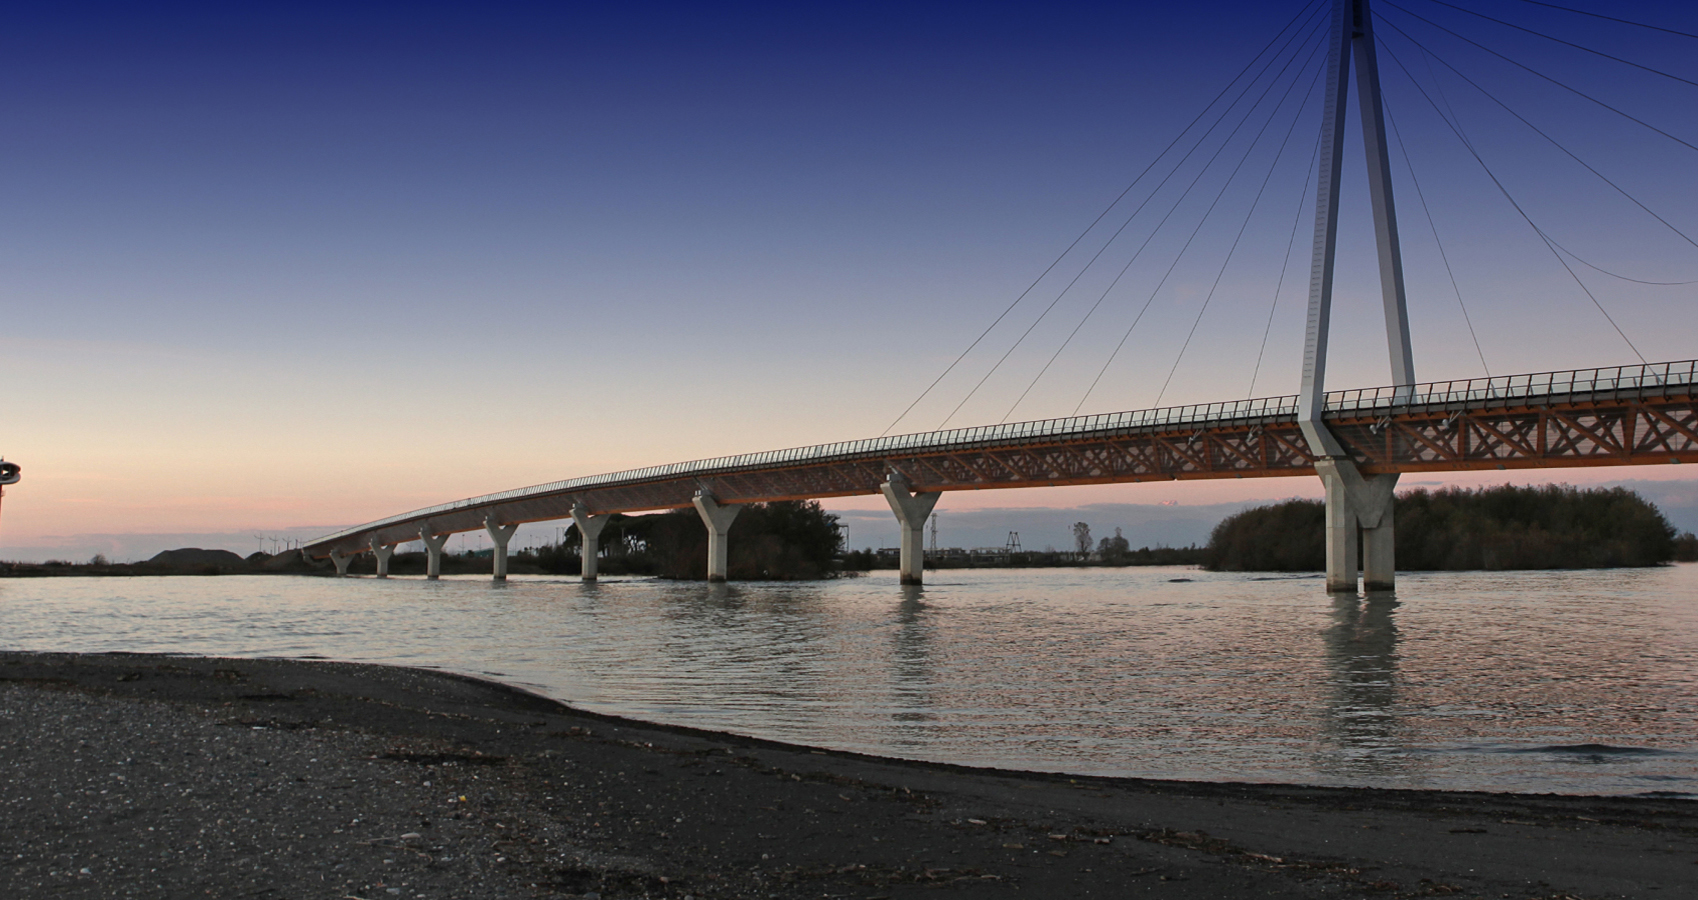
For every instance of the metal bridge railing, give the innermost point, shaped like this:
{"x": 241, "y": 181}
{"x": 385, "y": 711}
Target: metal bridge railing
{"x": 1616, "y": 382}
{"x": 1613, "y": 382}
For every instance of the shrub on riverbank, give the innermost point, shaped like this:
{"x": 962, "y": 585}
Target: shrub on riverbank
{"x": 1507, "y": 527}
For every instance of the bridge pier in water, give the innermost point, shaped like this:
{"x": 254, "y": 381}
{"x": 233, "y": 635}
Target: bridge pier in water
{"x": 433, "y": 550}
{"x": 382, "y": 554}
{"x": 341, "y": 560}
{"x": 911, "y": 510}
{"x": 1358, "y": 505}
{"x": 718, "y": 520}
{"x": 499, "y": 535}
{"x": 589, "y": 532}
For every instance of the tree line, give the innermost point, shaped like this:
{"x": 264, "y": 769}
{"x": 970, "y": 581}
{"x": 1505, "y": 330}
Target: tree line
{"x": 1507, "y": 527}
{"x": 783, "y": 540}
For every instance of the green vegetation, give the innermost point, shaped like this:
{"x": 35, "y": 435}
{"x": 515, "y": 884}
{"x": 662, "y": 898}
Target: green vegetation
{"x": 1508, "y": 527}
{"x": 786, "y": 540}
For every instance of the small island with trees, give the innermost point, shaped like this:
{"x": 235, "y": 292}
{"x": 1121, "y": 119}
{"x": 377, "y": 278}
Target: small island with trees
{"x": 1506, "y": 527}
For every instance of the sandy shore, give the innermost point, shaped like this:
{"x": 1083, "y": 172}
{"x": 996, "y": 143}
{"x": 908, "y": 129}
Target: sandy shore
{"x": 149, "y": 776}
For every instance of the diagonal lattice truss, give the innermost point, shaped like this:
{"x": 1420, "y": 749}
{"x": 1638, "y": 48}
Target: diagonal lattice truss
{"x": 1636, "y": 415}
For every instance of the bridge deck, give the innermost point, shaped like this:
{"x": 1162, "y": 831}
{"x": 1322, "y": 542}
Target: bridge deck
{"x": 1628, "y": 415}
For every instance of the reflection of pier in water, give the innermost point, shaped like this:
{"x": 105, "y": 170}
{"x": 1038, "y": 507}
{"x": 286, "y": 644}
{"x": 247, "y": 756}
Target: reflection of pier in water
{"x": 1362, "y": 725}
{"x": 911, "y": 671}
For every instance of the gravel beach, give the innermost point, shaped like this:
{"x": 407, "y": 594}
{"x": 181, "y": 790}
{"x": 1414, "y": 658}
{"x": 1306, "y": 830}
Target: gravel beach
{"x": 153, "y": 776}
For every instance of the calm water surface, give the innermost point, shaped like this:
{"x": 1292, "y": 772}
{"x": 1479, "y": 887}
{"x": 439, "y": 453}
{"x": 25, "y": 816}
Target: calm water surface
{"x": 1577, "y": 682}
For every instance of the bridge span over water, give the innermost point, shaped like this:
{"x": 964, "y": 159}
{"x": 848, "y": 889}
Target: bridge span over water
{"x": 1357, "y": 441}
{"x": 1626, "y": 415}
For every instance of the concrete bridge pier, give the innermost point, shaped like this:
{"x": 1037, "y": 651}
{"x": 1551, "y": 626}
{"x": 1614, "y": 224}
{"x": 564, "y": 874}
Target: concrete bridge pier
{"x": 341, "y": 560}
{"x": 433, "y": 550}
{"x": 911, "y": 510}
{"x": 499, "y": 535}
{"x": 718, "y": 520}
{"x": 1358, "y": 504}
{"x": 589, "y": 531}
{"x": 382, "y": 554}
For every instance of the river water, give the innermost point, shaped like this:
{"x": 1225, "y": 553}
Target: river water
{"x": 1572, "y": 682}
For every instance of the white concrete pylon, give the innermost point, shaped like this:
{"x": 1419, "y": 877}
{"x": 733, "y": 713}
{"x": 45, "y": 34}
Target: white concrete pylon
{"x": 499, "y": 535}
{"x": 718, "y": 520}
{"x": 1352, "y": 36}
{"x": 341, "y": 560}
{"x": 382, "y": 553}
{"x": 911, "y": 510}
{"x": 433, "y": 550}
{"x": 589, "y": 534}
{"x": 1357, "y": 502}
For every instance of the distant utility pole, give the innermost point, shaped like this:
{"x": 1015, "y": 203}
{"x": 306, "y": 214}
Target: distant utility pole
{"x": 1013, "y": 545}
{"x": 934, "y": 534}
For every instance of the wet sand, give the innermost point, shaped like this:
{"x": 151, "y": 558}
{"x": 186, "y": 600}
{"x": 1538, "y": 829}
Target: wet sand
{"x": 151, "y": 776}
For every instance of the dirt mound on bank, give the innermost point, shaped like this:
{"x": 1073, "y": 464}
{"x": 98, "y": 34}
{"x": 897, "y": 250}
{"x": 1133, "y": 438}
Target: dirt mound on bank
{"x": 195, "y": 556}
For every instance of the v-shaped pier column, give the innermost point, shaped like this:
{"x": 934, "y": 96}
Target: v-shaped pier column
{"x": 589, "y": 533}
{"x": 718, "y": 520}
{"x": 433, "y": 552}
{"x": 911, "y": 510}
{"x": 382, "y": 554}
{"x": 499, "y": 535}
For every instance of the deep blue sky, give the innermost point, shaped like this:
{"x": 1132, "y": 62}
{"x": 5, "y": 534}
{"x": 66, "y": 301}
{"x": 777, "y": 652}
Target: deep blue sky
{"x": 298, "y": 264}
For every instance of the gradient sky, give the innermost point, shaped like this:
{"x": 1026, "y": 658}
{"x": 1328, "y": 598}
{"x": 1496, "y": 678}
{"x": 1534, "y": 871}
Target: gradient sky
{"x": 288, "y": 267}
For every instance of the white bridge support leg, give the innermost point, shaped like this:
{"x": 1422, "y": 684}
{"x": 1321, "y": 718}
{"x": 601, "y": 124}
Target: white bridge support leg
{"x": 1355, "y": 502}
{"x": 718, "y": 520}
{"x": 589, "y": 530}
{"x": 433, "y": 550}
{"x": 911, "y": 510}
{"x": 341, "y": 560}
{"x": 382, "y": 554}
{"x": 499, "y": 535}
{"x": 1352, "y": 500}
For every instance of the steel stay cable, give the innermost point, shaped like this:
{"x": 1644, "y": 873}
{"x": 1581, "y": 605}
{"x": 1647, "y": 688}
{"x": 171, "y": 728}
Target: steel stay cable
{"x": 1456, "y": 129}
{"x": 1433, "y": 226}
{"x": 1285, "y": 263}
{"x": 1581, "y": 12}
{"x": 1123, "y": 226}
{"x": 1427, "y": 58}
{"x": 1301, "y": 15}
{"x": 1147, "y": 239}
{"x": 1558, "y": 40}
{"x": 1438, "y": 87}
{"x": 1574, "y": 91}
{"x": 1541, "y": 133}
{"x": 1581, "y": 260}
{"x": 1176, "y": 260}
{"x": 1236, "y": 239}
